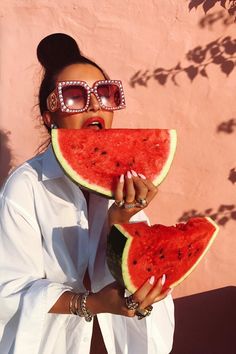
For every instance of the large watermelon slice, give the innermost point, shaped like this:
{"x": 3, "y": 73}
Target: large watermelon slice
{"x": 96, "y": 158}
{"x": 137, "y": 251}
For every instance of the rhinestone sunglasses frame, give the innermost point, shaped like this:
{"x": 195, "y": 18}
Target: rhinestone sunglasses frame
{"x": 55, "y": 99}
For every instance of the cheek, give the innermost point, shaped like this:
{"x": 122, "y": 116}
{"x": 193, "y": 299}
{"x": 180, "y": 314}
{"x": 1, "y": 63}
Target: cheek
{"x": 68, "y": 121}
{"x": 109, "y": 120}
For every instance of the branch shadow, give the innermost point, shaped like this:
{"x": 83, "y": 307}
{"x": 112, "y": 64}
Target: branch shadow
{"x": 205, "y": 323}
{"x": 222, "y": 215}
{"x": 207, "y": 5}
{"x": 209, "y": 20}
{"x": 6, "y": 156}
{"x": 227, "y": 127}
{"x": 220, "y": 52}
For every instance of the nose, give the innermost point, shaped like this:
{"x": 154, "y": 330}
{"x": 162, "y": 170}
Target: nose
{"x": 93, "y": 104}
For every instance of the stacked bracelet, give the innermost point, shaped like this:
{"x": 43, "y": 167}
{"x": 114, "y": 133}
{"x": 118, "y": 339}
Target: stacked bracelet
{"x": 86, "y": 313}
{"x": 77, "y": 306}
{"x": 71, "y": 308}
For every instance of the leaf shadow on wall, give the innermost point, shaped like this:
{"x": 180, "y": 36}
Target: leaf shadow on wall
{"x": 207, "y": 5}
{"x": 205, "y": 322}
{"x": 220, "y": 52}
{"x": 222, "y": 215}
{"x": 209, "y": 20}
{"x": 232, "y": 175}
{"x": 227, "y": 127}
{"x": 6, "y": 156}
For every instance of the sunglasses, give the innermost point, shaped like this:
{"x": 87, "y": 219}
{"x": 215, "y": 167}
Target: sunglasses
{"x": 74, "y": 96}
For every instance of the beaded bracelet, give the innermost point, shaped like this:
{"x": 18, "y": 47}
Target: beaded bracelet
{"x": 86, "y": 313}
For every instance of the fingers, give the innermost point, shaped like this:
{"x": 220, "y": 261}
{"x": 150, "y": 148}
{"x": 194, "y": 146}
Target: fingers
{"x": 151, "y": 189}
{"x": 119, "y": 192}
{"x": 151, "y": 292}
{"x": 134, "y": 187}
{"x": 129, "y": 188}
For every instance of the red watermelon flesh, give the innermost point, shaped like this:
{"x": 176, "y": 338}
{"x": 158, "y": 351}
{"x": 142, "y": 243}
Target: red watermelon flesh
{"x": 96, "y": 158}
{"x": 137, "y": 251}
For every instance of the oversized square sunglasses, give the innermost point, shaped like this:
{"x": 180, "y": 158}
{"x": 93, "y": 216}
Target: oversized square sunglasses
{"x": 74, "y": 96}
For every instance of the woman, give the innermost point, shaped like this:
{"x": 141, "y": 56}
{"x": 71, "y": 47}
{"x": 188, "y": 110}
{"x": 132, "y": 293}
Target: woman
{"x": 53, "y": 236}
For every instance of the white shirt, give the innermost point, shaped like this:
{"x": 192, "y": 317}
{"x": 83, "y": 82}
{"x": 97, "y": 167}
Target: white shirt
{"x": 47, "y": 242}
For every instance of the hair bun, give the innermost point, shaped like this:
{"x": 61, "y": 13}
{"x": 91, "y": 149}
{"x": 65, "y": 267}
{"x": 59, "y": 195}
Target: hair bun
{"x": 56, "y": 51}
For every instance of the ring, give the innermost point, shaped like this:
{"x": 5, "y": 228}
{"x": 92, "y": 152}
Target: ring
{"x": 142, "y": 202}
{"x": 130, "y": 303}
{"x": 141, "y": 313}
{"x": 120, "y": 203}
{"x": 129, "y": 205}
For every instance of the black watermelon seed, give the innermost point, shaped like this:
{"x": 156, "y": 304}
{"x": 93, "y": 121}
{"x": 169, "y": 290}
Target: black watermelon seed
{"x": 117, "y": 164}
{"x": 179, "y": 254}
{"x": 103, "y": 153}
{"x": 162, "y": 256}
{"x": 134, "y": 261}
{"x": 149, "y": 269}
{"x": 96, "y": 149}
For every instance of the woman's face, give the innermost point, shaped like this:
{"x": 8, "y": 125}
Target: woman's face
{"x": 84, "y": 120}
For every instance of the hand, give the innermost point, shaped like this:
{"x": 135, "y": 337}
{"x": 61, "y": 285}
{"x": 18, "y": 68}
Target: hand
{"x": 131, "y": 189}
{"x": 111, "y": 298}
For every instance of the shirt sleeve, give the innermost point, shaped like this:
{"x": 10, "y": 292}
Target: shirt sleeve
{"x": 25, "y": 295}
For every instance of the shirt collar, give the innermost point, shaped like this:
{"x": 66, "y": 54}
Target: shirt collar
{"x": 50, "y": 167}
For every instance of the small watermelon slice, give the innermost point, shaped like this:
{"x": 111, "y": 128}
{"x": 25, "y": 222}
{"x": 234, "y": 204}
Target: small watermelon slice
{"x": 96, "y": 158}
{"x": 137, "y": 251}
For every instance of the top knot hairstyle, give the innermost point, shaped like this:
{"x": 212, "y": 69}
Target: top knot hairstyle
{"x": 55, "y": 52}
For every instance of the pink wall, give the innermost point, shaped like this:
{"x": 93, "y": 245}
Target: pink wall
{"x": 126, "y": 37}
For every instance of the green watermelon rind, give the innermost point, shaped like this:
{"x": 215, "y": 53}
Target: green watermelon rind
{"x": 99, "y": 189}
{"x": 124, "y": 261}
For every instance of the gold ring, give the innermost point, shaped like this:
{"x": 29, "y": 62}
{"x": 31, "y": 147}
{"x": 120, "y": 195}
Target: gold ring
{"x": 142, "y": 202}
{"x": 130, "y": 303}
{"x": 141, "y": 313}
{"x": 120, "y": 203}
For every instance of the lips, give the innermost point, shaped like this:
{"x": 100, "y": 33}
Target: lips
{"x": 94, "y": 123}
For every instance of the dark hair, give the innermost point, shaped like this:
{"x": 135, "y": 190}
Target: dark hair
{"x": 55, "y": 52}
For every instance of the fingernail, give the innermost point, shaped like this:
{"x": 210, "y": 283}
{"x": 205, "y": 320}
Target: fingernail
{"x": 141, "y": 176}
{"x": 129, "y": 174}
{"x": 151, "y": 280}
{"x": 134, "y": 173}
{"x": 121, "y": 178}
{"x": 163, "y": 279}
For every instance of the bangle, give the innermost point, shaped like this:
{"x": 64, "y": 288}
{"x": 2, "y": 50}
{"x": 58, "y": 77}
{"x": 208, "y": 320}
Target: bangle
{"x": 86, "y": 313}
{"x": 71, "y": 309}
{"x": 78, "y": 311}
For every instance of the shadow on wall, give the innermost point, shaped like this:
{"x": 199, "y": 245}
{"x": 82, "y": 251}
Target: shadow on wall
{"x": 205, "y": 323}
{"x": 6, "y": 158}
{"x": 227, "y": 127}
{"x": 222, "y": 215}
{"x": 207, "y": 5}
{"x": 221, "y": 53}
{"x": 209, "y": 20}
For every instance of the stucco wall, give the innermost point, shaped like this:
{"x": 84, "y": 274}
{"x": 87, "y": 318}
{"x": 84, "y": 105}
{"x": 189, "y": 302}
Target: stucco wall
{"x": 178, "y": 69}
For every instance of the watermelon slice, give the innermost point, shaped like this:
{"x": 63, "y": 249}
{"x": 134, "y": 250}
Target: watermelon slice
{"x": 96, "y": 158}
{"x": 137, "y": 251}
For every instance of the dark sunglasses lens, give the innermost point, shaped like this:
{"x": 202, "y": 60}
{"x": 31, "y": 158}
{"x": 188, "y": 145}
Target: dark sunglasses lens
{"x": 110, "y": 95}
{"x": 75, "y": 97}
